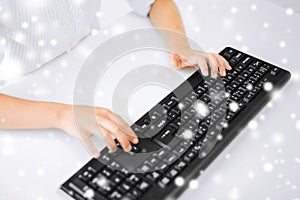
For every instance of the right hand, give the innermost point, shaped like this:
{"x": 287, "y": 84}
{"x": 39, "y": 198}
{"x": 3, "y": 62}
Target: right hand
{"x": 99, "y": 122}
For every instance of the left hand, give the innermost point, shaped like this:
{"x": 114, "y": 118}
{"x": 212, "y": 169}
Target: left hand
{"x": 190, "y": 58}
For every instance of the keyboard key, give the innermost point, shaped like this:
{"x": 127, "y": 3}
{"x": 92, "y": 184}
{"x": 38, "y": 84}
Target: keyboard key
{"x": 106, "y": 172}
{"x": 136, "y": 193}
{"x": 228, "y": 53}
{"x": 81, "y": 188}
{"x": 256, "y": 63}
{"x": 143, "y": 185}
{"x": 115, "y": 195}
{"x": 165, "y": 181}
{"x": 153, "y": 175}
{"x": 180, "y": 165}
{"x": 165, "y": 136}
{"x": 246, "y": 60}
{"x": 275, "y": 71}
{"x": 133, "y": 179}
{"x": 126, "y": 186}
{"x": 172, "y": 173}
{"x": 116, "y": 179}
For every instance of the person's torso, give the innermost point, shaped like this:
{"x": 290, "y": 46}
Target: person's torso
{"x": 34, "y": 32}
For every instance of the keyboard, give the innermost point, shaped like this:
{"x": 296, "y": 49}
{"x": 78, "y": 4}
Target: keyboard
{"x": 181, "y": 135}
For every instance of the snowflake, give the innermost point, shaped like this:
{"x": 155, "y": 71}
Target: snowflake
{"x": 289, "y": 11}
{"x": 190, "y": 7}
{"x": 64, "y": 63}
{"x": 298, "y": 125}
{"x": 219, "y": 137}
{"x": 105, "y": 32}
{"x": 268, "y": 86}
{"x": 46, "y": 72}
{"x": 21, "y": 172}
{"x": 277, "y": 138}
{"x": 187, "y": 134}
{"x": 284, "y": 60}
{"x": 266, "y": 25}
{"x": 24, "y": 25}
{"x": 282, "y": 44}
{"x": 228, "y": 23}
{"x": 179, "y": 181}
{"x": 34, "y": 19}
{"x": 102, "y": 182}
{"x": 233, "y": 106}
{"x": 41, "y": 43}
{"x": 252, "y": 125}
{"x": 234, "y": 194}
{"x": 202, "y": 109}
{"x": 249, "y": 87}
{"x": 238, "y": 38}
{"x": 98, "y": 14}
{"x": 2, "y": 120}
{"x": 3, "y": 41}
{"x": 227, "y": 156}
{"x": 19, "y": 37}
{"x": 194, "y": 184}
{"x": 132, "y": 58}
{"x": 250, "y": 175}
{"x": 244, "y": 48}
{"x": 268, "y": 167}
{"x": 40, "y": 172}
{"x": 233, "y": 10}
{"x": 197, "y": 29}
{"x": 53, "y": 42}
{"x": 89, "y": 193}
{"x": 253, "y": 7}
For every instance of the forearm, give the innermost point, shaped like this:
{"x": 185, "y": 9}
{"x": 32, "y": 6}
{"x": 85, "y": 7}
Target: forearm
{"x": 17, "y": 113}
{"x": 164, "y": 14}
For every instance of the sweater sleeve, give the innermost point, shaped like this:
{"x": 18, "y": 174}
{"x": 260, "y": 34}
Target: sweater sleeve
{"x": 141, "y": 7}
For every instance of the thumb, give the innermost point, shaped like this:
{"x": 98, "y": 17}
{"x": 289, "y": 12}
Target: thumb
{"x": 175, "y": 60}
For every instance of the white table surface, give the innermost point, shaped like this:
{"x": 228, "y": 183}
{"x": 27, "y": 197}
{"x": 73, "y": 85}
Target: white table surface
{"x": 262, "y": 163}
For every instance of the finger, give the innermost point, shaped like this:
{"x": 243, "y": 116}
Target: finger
{"x": 213, "y": 66}
{"x": 175, "y": 61}
{"x": 123, "y": 139}
{"x": 90, "y": 146}
{"x": 111, "y": 144}
{"x": 226, "y": 63}
{"x": 125, "y": 128}
{"x": 122, "y": 124}
{"x": 221, "y": 65}
{"x": 203, "y": 66}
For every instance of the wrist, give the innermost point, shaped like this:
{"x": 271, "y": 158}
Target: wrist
{"x": 61, "y": 112}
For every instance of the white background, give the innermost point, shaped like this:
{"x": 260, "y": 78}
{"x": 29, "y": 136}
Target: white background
{"x": 262, "y": 163}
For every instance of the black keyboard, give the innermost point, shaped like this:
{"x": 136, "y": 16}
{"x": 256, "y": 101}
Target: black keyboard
{"x": 182, "y": 134}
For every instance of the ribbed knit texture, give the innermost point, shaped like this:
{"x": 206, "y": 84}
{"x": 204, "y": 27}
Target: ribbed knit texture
{"x": 31, "y": 37}
{"x": 33, "y": 32}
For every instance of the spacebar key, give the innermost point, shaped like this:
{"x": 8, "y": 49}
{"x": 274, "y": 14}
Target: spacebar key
{"x": 83, "y": 189}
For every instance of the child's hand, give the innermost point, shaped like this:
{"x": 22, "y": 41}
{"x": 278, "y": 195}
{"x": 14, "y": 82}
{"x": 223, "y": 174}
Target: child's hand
{"x": 99, "y": 122}
{"x": 191, "y": 58}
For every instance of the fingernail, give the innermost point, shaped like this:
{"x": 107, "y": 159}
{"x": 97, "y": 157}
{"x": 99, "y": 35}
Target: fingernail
{"x": 205, "y": 73}
{"x": 113, "y": 150}
{"x": 128, "y": 148}
{"x": 96, "y": 154}
{"x": 135, "y": 140}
